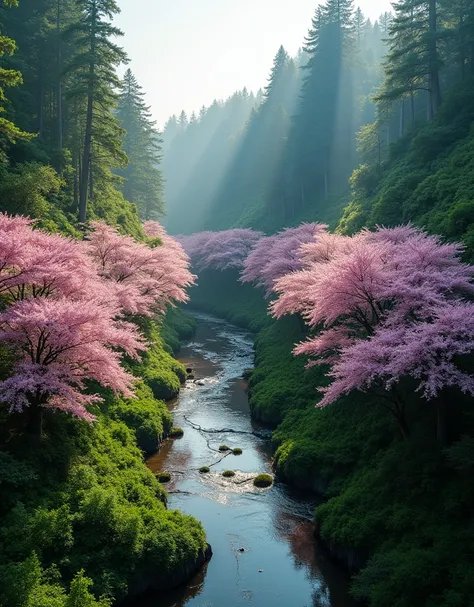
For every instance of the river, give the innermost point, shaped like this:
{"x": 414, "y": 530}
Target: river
{"x": 265, "y": 554}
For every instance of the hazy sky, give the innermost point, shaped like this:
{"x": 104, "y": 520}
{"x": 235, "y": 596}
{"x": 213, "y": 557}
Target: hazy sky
{"x": 186, "y": 53}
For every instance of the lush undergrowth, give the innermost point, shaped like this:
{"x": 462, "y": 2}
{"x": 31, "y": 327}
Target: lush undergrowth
{"x": 429, "y": 178}
{"x": 398, "y": 512}
{"x": 81, "y": 516}
{"x": 178, "y": 327}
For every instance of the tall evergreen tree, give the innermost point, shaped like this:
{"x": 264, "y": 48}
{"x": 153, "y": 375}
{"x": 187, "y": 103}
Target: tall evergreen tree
{"x": 414, "y": 59}
{"x": 95, "y": 82}
{"x": 9, "y": 132}
{"x": 143, "y": 182}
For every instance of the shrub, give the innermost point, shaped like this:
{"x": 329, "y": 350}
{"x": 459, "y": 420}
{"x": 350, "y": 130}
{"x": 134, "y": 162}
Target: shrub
{"x": 263, "y": 480}
{"x": 163, "y": 477}
{"x": 204, "y": 469}
{"x": 176, "y": 433}
{"x": 228, "y": 473}
{"x": 237, "y": 451}
{"x": 224, "y": 448}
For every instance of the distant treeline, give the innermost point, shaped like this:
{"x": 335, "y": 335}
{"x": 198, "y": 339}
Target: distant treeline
{"x": 355, "y": 89}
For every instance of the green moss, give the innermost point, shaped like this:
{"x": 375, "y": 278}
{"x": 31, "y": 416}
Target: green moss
{"x": 224, "y": 448}
{"x": 228, "y": 473}
{"x": 263, "y": 480}
{"x": 160, "y": 371}
{"x": 204, "y": 469}
{"x": 237, "y": 451}
{"x": 163, "y": 477}
{"x": 148, "y": 417}
{"x": 176, "y": 433}
{"x": 177, "y": 326}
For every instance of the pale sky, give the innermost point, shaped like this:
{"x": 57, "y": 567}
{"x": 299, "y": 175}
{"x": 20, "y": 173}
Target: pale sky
{"x": 186, "y": 53}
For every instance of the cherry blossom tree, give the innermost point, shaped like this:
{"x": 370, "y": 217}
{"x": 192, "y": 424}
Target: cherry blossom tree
{"x": 226, "y": 250}
{"x": 34, "y": 263}
{"x": 145, "y": 279}
{"x": 278, "y": 255}
{"x": 64, "y": 303}
{"x": 384, "y": 305}
{"x": 59, "y": 345}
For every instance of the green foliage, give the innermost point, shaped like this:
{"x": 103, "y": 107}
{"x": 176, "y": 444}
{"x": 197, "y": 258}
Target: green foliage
{"x": 204, "y": 469}
{"x": 143, "y": 183}
{"x": 224, "y": 448}
{"x": 9, "y": 132}
{"x": 177, "y": 327}
{"x": 280, "y": 383}
{"x": 263, "y": 480}
{"x": 163, "y": 477}
{"x": 176, "y": 433}
{"x": 160, "y": 371}
{"x": 228, "y": 473}
{"x": 148, "y": 417}
{"x": 104, "y": 514}
{"x": 237, "y": 451}
{"x": 428, "y": 179}
{"x": 221, "y": 293}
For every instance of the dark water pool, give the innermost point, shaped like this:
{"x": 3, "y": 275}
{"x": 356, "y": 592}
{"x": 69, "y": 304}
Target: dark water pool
{"x": 281, "y": 564}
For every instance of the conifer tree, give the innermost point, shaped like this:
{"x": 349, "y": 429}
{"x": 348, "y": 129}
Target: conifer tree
{"x": 143, "y": 183}
{"x": 94, "y": 84}
{"x": 413, "y": 61}
{"x": 9, "y": 132}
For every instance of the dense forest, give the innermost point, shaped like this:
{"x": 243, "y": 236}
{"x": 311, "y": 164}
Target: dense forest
{"x": 331, "y": 213}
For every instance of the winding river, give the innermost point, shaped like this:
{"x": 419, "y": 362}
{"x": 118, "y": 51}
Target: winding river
{"x": 265, "y": 553}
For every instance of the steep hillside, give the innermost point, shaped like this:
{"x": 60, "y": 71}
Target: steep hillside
{"x": 428, "y": 179}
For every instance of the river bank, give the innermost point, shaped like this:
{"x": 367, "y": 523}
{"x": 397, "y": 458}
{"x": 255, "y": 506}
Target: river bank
{"x": 265, "y": 552}
{"x": 386, "y": 508}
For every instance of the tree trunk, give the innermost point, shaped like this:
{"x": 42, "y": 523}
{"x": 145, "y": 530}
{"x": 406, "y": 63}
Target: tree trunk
{"x": 441, "y": 426}
{"x": 412, "y": 105}
{"x": 86, "y": 156}
{"x": 434, "y": 85}
{"x": 402, "y": 119}
{"x": 91, "y": 180}
{"x": 41, "y": 100}
{"x": 59, "y": 89}
{"x": 35, "y": 420}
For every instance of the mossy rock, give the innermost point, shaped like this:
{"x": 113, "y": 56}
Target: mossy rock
{"x": 176, "y": 433}
{"x": 263, "y": 480}
{"x": 228, "y": 473}
{"x": 237, "y": 451}
{"x": 224, "y": 448}
{"x": 204, "y": 469}
{"x": 163, "y": 477}
{"x": 247, "y": 374}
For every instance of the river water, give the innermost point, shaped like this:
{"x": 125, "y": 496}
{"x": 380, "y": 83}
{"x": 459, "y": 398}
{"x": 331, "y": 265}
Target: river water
{"x": 265, "y": 554}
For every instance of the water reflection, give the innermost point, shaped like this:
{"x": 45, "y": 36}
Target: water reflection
{"x": 265, "y": 553}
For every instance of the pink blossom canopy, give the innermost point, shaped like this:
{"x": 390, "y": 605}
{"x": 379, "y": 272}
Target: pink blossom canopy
{"x": 278, "y": 255}
{"x": 226, "y": 250}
